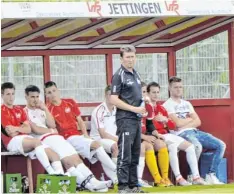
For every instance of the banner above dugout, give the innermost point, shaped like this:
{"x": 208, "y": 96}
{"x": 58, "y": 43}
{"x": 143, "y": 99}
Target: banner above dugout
{"x": 109, "y": 24}
{"x": 112, "y": 9}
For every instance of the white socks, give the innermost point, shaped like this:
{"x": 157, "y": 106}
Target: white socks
{"x": 81, "y": 173}
{"x": 110, "y": 173}
{"x": 43, "y": 158}
{"x": 108, "y": 165}
{"x": 174, "y": 162}
{"x": 141, "y": 167}
{"x": 192, "y": 161}
{"x": 79, "y": 176}
{"x": 83, "y": 169}
{"x": 105, "y": 159}
{"x": 57, "y": 166}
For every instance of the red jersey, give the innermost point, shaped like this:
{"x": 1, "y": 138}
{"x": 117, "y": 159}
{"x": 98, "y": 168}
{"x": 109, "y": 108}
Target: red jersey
{"x": 12, "y": 116}
{"x": 161, "y": 127}
{"x": 65, "y": 116}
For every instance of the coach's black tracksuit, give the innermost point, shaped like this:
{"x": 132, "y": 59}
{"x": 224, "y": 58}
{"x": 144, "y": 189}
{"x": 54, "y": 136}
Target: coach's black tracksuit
{"x": 127, "y": 86}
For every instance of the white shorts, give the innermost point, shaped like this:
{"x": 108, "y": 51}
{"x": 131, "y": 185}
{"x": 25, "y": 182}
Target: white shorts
{"x": 59, "y": 145}
{"x": 16, "y": 146}
{"x": 83, "y": 147}
{"x": 173, "y": 139}
{"x": 107, "y": 144}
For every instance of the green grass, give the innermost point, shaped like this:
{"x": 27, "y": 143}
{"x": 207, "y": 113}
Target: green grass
{"x": 229, "y": 188}
{"x": 195, "y": 189}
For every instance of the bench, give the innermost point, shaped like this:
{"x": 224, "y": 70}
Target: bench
{"x": 6, "y": 154}
{"x": 29, "y": 167}
{"x": 94, "y": 168}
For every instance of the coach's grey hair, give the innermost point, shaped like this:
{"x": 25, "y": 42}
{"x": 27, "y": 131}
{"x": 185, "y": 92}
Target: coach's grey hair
{"x": 127, "y": 48}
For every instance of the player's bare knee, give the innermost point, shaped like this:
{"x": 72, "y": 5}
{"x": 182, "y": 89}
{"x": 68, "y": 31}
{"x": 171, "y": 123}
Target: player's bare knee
{"x": 159, "y": 144}
{"x": 52, "y": 155}
{"x": 95, "y": 145}
{"x": 77, "y": 159}
{"x": 114, "y": 150}
{"x": 68, "y": 162}
{"x": 149, "y": 146}
{"x": 36, "y": 143}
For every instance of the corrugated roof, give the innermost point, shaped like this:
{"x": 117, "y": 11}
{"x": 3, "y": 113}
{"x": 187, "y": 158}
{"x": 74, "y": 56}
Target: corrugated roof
{"x": 104, "y": 33}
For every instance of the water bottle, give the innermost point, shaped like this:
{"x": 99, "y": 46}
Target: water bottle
{"x": 141, "y": 105}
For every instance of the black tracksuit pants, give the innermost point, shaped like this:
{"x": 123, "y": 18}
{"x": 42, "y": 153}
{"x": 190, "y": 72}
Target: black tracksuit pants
{"x": 129, "y": 144}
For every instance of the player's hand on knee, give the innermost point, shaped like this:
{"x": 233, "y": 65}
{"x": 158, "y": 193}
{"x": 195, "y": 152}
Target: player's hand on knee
{"x": 160, "y": 136}
{"x": 150, "y": 139}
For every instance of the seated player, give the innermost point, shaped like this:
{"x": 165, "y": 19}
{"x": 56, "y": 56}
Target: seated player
{"x": 149, "y": 145}
{"x": 103, "y": 129}
{"x": 187, "y": 122}
{"x": 159, "y": 124}
{"x": 15, "y": 130}
{"x": 44, "y": 129}
{"x": 71, "y": 126}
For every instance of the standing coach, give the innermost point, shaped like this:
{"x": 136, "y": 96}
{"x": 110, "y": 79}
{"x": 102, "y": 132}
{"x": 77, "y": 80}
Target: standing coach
{"x": 126, "y": 95}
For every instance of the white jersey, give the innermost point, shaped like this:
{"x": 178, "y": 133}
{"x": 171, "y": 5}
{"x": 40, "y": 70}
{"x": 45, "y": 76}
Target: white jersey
{"x": 38, "y": 117}
{"x": 182, "y": 110}
{"x": 55, "y": 141}
{"x": 103, "y": 118}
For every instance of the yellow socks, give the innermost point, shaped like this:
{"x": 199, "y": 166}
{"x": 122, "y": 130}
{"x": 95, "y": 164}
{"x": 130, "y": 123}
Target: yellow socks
{"x": 151, "y": 162}
{"x": 163, "y": 162}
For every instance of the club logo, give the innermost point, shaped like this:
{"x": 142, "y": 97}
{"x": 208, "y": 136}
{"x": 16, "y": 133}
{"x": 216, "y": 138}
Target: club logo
{"x": 18, "y": 115}
{"x": 67, "y": 110}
